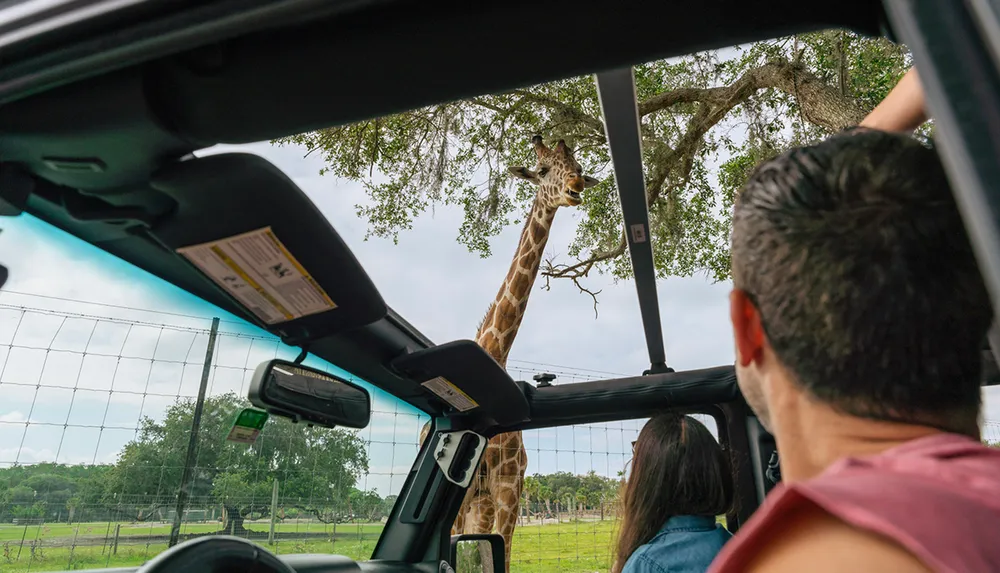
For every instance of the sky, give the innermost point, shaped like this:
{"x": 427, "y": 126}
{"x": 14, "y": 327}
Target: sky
{"x": 75, "y": 377}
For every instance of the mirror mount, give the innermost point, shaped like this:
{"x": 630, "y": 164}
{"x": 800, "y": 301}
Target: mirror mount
{"x": 458, "y": 453}
{"x": 477, "y": 553}
{"x": 304, "y": 394}
{"x": 302, "y": 355}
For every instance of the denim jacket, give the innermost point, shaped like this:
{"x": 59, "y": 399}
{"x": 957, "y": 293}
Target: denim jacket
{"x": 685, "y": 544}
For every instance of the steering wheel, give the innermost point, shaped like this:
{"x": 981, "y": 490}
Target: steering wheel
{"x": 216, "y": 554}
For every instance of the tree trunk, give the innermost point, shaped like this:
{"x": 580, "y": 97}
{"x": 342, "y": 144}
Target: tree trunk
{"x": 232, "y": 521}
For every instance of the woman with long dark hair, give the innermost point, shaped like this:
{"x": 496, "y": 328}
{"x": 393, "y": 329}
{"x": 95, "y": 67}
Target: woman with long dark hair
{"x": 680, "y": 481}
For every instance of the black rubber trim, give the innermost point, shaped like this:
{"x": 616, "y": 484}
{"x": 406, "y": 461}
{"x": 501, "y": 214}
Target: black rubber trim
{"x": 962, "y": 91}
{"x": 625, "y": 398}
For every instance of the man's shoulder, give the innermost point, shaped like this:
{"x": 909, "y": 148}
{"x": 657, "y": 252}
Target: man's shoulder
{"x": 811, "y": 539}
{"x": 862, "y": 511}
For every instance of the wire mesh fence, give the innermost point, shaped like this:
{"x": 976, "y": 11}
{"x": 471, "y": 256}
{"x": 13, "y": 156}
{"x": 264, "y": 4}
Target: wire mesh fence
{"x": 95, "y": 421}
{"x": 991, "y": 432}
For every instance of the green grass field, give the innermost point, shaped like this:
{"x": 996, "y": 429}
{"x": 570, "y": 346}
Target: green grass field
{"x": 61, "y": 530}
{"x": 95, "y": 557}
{"x": 575, "y": 547}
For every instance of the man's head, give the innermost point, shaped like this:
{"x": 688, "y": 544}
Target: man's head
{"x": 854, "y": 278}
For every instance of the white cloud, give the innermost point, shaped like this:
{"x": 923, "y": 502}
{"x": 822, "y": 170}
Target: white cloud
{"x": 13, "y": 417}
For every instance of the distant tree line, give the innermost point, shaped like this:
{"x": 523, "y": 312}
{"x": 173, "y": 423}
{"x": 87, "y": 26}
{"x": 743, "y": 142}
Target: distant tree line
{"x": 563, "y": 493}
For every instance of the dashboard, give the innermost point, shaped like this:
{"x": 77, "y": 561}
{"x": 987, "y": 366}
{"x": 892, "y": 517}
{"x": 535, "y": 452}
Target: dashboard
{"x": 323, "y": 563}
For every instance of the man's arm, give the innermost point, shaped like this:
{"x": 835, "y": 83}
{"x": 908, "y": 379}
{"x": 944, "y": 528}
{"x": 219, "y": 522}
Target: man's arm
{"x": 813, "y": 540}
{"x": 903, "y": 109}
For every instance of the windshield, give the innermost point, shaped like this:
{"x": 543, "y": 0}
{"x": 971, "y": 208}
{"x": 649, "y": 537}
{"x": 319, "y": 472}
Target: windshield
{"x": 97, "y": 413}
{"x": 457, "y": 212}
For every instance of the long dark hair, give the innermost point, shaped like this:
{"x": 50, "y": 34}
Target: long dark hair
{"x": 678, "y": 468}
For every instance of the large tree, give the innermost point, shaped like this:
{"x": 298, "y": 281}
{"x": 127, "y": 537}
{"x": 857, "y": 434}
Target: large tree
{"x": 317, "y": 468}
{"x": 707, "y": 119}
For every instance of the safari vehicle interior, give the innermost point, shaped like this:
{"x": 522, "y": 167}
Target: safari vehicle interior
{"x": 102, "y": 105}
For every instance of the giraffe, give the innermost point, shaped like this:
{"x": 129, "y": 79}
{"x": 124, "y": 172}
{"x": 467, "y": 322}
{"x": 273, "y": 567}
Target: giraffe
{"x": 494, "y": 496}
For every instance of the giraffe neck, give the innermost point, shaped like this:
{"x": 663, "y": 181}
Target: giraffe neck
{"x": 496, "y": 334}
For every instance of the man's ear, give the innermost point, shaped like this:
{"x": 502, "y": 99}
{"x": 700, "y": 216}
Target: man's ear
{"x": 589, "y": 181}
{"x": 748, "y": 329}
{"x": 524, "y": 173}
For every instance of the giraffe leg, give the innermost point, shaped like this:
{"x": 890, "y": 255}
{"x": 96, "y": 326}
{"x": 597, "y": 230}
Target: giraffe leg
{"x": 482, "y": 511}
{"x": 459, "y": 526}
{"x": 481, "y": 520}
{"x": 506, "y": 491}
{"x": 475, "y": 507}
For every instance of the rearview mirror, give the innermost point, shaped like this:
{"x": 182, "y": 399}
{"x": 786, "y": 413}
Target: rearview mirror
{"x": 304, "y": 394}
{"x": 477, "y": 553}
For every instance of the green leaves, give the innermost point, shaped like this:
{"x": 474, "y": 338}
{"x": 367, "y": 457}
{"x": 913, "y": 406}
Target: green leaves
{"x": 708, "y": 118}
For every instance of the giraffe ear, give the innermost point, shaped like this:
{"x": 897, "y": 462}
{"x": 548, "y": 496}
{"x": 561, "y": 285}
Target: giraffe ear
{"x": 589, "y": 181}
{"x": 524, "y": 173}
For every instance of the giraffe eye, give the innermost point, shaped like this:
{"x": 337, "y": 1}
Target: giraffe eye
{"x": 542, "y": 171}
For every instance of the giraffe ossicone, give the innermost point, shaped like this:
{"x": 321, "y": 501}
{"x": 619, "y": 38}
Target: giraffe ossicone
{"x": 493, "y": 499}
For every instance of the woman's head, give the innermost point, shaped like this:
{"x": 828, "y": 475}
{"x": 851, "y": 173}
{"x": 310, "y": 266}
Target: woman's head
{"x": 678, "y": 468}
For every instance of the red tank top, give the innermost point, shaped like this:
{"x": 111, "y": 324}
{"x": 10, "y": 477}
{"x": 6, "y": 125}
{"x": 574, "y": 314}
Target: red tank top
{"x": 939, "y": 497}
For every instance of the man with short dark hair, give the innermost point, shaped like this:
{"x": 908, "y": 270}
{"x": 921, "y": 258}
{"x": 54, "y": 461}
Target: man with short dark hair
{"x": 858, "y": 314}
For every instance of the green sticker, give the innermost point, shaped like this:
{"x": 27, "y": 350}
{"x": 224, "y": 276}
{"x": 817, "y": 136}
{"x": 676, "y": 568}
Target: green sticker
{"x": 247, "y": 426}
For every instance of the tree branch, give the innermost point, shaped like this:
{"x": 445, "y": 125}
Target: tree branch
{"x": 574, "y": 273}
{"x": 146, "y": 512}
{"x": 822, "y": 104}
{"x": 581, "y": 268}
{"x": 558, "y": 106}
{"x": 316, "y": 513}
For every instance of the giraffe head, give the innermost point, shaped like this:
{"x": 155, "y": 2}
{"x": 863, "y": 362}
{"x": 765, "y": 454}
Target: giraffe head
{"x": 559, "y": 177}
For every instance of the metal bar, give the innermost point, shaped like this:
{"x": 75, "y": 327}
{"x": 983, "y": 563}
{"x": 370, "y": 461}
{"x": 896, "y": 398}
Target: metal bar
{"x": 617, "y": 96}
{"x": 961, "y": 88}
{"x": 182, "y": 494}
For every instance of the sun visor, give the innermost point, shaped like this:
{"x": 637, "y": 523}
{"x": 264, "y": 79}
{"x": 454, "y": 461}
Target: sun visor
{"x": 468, "y": 380}
{"x": 263, "y": 249}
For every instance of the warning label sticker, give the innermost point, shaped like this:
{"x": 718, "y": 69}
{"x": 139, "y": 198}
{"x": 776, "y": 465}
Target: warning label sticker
{"x": 258, "y": 271}
{"x": 450, "y": 393}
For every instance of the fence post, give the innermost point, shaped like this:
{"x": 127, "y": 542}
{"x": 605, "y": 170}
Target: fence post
{"x": 274, "y": 512}
{"x": 182, "y": 494}
{"x": 72, "y": 548}
{"x": 118, "y": 530}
